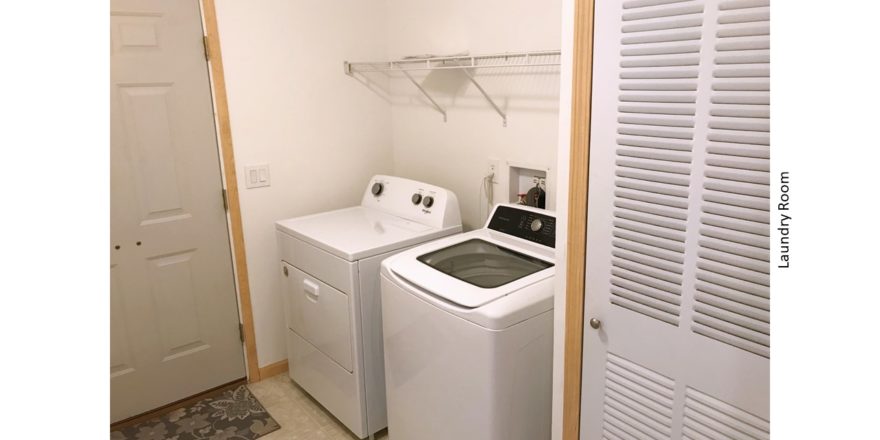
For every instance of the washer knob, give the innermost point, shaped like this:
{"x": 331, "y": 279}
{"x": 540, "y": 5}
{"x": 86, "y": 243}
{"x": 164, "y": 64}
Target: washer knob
{"x": 377, "y": 189}
{"x": 428, "y": 201}
{"x": 536, "y": 225}
{"x": 416, "y": 198}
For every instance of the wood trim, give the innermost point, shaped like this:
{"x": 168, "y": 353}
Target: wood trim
{"x": 582, "y": 82}
{"x": 182, "y": 403}
{"x": 240, "y": 259}
{"x": 273, "y": 369}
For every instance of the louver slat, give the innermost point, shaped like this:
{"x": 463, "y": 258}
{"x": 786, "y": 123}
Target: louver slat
{"x": 690, "y": 434}
{"x": 733, "y": 248}
{"x": 706, "y": 290}
{"x": 663, "y": 12}
{"x": 739, "y": 187}
{"x": 627, "y": 426}
{"x": 652, "y": 251}
{"x": 645, "y": 3}
{"x": 662, "y": 50}
{"x": 743, "y": 4}
{"x": 732, "y": 284}
{"x": 638, "y": 401}
{"x": 733, "y": 259}
{"x": 729, "y": 326}
{"x": 733, "y": 306}
{"x": 752, "y": 151}
{"x": 707, "y": 417}
{"x": 651, "y": 220}
{"x": 733, "y": 254}
{"x": 651, "y": 143}
{"x": 738, "y": 319}
{"x": 729, "y": 228}
{"x": 614, "y": 435}
{"x": 656, "y": 121}
{"x": 622, "y": 392}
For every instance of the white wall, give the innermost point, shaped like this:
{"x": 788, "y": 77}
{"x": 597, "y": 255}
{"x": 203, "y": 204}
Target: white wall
{"x": 563, "y": 166}
{"x": 455, "y": 154}
{"x": 322, "y": 133}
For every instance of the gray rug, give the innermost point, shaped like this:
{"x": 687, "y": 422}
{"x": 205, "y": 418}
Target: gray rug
{"x": 233, "y": 415}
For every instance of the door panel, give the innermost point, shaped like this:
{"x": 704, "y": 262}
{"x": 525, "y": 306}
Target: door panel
{"x": 120, "y": 340}
{"x": 174, "y": 294}
{"x": 174, "y": 317}
{"x": 678, "y": 224}
{"x": 145, "y": 110}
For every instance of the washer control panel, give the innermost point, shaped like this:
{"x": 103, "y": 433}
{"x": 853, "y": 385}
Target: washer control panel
{"x": 527, "y": 224}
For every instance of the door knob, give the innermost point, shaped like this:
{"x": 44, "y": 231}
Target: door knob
{"x": 595, "y": 323}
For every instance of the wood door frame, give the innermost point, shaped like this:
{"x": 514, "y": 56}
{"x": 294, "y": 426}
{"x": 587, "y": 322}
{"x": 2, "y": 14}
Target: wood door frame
{"x": 578, "y": 185}
{"x": 221, "y": 111}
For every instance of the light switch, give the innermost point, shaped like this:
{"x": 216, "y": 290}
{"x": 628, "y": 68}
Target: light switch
{"x": 256, "y": 176}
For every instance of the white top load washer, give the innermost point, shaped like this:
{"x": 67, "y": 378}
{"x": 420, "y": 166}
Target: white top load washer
{"x": 330, "y": 265}
{"x": 468, "y": 328}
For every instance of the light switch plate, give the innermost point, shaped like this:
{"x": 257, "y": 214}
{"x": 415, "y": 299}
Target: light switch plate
{"x": 256, "y": 176}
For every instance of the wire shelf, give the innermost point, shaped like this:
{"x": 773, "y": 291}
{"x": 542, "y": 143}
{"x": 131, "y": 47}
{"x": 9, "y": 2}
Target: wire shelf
{"x": 466, "y": 63}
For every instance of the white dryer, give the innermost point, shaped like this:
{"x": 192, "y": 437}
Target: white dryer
{"x": 330, "y": 265}
{"x": 468, "y": 328}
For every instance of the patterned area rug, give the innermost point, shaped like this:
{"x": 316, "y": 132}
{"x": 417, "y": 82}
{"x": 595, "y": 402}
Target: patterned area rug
{"x": 233, "y": 415}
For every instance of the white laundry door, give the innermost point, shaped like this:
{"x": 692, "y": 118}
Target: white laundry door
{"x": 174, "y": 316}
{"x": 677, "y": 264}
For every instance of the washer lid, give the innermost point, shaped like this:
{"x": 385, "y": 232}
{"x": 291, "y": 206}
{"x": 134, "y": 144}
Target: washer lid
{"x": 483, "y": 264}
{"x": 359, "y": 232}
{"x": 472, "y": 269}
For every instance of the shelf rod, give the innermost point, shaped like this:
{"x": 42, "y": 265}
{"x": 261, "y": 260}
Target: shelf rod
{"x": 515, "y": 59}
{"x": 488, "y": 98}
{"x": 425, "y": 92}
{"x": 358, "y": 67}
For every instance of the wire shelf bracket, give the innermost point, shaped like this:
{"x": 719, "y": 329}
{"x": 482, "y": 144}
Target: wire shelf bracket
{"x": 467, "y": 64}
{"x": 427, "y": 95}
{"x": 488, "y": 98}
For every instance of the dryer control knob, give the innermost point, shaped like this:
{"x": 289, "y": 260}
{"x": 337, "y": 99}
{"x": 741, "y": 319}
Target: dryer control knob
{"x": 536, "y": 225}
{"x": 377, "y": 189}
{"x": 428, "y": 201}
{"x": 416, "y": 198}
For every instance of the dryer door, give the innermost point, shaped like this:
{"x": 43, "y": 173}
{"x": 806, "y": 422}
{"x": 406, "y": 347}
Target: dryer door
{"x": 321, "y": 315}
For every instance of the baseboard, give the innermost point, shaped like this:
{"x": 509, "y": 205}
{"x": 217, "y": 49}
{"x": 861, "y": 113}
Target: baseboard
{"x": 273, "y": 369}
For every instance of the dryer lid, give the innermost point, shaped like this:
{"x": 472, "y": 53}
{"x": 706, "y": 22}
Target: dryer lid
{"x": 359, "y": 232}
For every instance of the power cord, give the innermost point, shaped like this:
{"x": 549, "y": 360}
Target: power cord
{"x": 487, "y": 187}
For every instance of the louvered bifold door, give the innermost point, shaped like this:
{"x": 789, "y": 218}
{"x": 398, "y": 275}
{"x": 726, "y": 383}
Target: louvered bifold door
{"x": 678, "y": 271}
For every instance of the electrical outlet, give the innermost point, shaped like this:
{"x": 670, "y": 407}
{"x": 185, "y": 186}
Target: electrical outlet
{"x": 493, "y": 168}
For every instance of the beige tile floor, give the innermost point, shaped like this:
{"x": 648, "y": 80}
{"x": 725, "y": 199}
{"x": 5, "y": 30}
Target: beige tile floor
{"x": 300, "y": 416}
